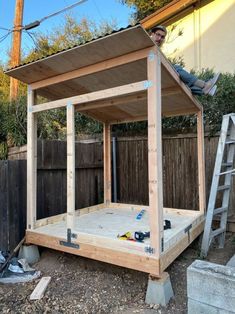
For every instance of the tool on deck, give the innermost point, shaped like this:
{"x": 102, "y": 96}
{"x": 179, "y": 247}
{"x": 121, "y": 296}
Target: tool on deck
{"x": 140, "y": 236}
{"x": 126, "y": 236}
{"x": 140, "y": 215}
{"x": 167, "y": 224}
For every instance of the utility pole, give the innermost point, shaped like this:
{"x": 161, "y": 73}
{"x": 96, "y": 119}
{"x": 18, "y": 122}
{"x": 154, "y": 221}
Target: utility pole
{"x": 16, "y": 46}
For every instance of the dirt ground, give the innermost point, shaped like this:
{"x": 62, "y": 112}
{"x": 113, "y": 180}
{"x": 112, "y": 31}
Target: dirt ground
{"x": 80, "y": 285}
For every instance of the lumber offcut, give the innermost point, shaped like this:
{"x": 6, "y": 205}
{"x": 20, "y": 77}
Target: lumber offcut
{"x": 39, "y": 290}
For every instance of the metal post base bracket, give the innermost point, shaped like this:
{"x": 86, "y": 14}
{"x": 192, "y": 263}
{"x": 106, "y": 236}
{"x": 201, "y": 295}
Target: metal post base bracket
{"x": 69, "y": 242}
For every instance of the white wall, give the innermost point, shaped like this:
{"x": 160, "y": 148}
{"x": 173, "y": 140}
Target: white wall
{"x": 208, "y": 39}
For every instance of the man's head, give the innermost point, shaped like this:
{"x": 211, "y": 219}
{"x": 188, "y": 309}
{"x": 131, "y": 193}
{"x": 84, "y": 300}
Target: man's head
{"x": 159, "y": 34}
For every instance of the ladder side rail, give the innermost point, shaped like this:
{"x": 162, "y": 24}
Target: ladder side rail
{"x": 218, "y": 162}
{"x": 214, "y": 186}
{"x": 227, "y": 181}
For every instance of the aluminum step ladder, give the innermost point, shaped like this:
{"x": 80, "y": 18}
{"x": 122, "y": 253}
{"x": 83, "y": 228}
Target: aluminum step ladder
{"x": 221, "y": 185}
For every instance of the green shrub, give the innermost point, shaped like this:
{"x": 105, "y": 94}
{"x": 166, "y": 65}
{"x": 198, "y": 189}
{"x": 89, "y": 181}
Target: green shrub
{"x": 13, "y": 117}
{"x": 223, "y": 102}
{"x": 214, "y": 107}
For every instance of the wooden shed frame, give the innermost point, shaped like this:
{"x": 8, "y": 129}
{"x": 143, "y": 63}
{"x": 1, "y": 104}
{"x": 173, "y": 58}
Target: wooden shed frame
{"x": 162, "y": 93}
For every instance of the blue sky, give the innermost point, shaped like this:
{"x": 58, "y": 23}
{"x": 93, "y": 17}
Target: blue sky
{"x": 96, "y": 10}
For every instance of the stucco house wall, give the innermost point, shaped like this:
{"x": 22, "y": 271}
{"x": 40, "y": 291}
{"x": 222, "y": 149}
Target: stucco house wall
{"x": 208, "y": 36}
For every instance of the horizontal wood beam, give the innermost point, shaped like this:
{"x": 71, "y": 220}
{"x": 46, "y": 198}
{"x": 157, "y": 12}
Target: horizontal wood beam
{"x": 88, "y": 248}
{"x": 101, "y": 66}
{"x": 129, "y": 120}
{"x": 169, "y": 91}
{"x": 180, "y": 112}
{"x": 142, "y": 96}
{"x": 93, "y": 96}
{"x": 94, "y": 116}
{"x": 175, "y": 250}
{"x": 112, "y": 102}
{"x": 180, "y": 84}
{"x": 62, "y": 217}
{"x": 131, "y": 207}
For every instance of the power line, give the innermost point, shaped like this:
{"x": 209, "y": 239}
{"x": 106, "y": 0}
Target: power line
{"x": 5, "y": 29}
{"x": 38, "y": 22}
{"x": 98, "y": 10}
{"x": 5, "y": 36}
{"x": 63, "y": 10}
{"x": 31, "y": 36}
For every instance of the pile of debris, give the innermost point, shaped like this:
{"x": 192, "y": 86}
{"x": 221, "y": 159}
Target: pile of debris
{"x": 15, "y": 269}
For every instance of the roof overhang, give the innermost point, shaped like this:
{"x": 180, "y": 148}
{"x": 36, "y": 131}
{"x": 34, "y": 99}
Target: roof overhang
{"x": 168, "y": 11}
{"x": 95, "y": 71}
{"x": 104, "y": 48}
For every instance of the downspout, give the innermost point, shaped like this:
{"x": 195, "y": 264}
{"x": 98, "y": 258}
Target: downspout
{"x": 114, "y": 146}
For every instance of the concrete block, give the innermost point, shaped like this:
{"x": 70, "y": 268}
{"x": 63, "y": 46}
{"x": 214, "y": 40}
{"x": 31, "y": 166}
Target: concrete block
{"x": 195, "y": 307}
{"x": 30, "y": 253}
{"x": 159, "y": 291}
{"x": 212, "y": 284}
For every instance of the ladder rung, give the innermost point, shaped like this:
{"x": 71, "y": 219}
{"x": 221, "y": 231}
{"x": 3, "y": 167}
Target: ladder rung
{"x": 223, "y": 187}
{"x": 227, "y": 164}
{"x": 230, "y": 142}
{"x": 220, "y": 210}
{"x": 226, "y": 172}
{"x": 216, "y": 232}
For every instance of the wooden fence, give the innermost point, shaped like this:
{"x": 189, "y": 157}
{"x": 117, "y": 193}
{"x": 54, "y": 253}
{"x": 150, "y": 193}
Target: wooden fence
{"x": 12, "y": 202}
{"x": 179, "y": 176}
{"x": 179, "y": 170}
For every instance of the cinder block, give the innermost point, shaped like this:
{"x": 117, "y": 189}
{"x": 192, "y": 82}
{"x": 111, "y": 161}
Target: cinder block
{"x": 159, "y": 291}
{"x": 212, "y": 284}
{"x": 195, "y": 307}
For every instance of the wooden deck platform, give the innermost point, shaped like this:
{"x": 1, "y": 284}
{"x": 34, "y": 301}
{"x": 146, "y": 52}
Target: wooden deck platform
{"x": 97, "y": 228}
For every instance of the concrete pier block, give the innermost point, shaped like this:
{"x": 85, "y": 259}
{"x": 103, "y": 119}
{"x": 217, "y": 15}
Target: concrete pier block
{"x": 211, "y": 288}
{"x": 159, "y": 291}
{"x": 30, "y": 253}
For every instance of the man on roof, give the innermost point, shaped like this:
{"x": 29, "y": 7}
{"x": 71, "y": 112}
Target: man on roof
{"x": 197, "y": 86}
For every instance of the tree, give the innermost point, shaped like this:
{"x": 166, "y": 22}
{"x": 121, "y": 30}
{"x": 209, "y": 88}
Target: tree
{"x": 68, "y": 34}
{"x": 51, "y": 124}
{"x": 144, "y": 8}
{"x": 5, "y": 86}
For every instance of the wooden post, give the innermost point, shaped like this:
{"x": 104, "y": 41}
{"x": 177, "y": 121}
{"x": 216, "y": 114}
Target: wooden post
{"x": 201, "y": 163}
{"x": 155, "y": 152}
{"x": 107, "y": 163}
{"x": 31, "y": 162}
{"x": 70, "y": 167}
{"x": 16, "y": 46}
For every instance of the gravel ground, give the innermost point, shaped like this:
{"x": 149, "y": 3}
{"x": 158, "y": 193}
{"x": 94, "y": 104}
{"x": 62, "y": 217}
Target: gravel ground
{"x": 80, "y": 285}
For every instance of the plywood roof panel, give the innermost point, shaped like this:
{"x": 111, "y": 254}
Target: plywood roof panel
{"x": 113, "y": 45}
{"x": 121, "y": 75}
